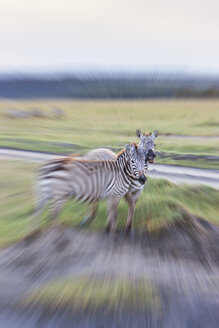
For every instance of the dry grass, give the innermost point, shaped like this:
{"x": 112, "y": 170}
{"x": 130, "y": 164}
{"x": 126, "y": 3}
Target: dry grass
{"x": 89, "y": 124}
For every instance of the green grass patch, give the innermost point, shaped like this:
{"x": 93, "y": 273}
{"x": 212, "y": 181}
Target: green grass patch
{"x": 86, "y": 293}
{"x": 160, "y": 204}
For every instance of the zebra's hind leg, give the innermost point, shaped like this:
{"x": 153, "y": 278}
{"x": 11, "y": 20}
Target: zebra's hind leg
{"x": 56, "y": 208}
{"x": 89, "y": 219}
{"x": 61, "y": 240}
{"x": 33, "y": 228}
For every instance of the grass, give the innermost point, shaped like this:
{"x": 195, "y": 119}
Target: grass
{"x": 90, "y": 124}
{"x": 86, "y": 293}
{"x": 161, "y": 204}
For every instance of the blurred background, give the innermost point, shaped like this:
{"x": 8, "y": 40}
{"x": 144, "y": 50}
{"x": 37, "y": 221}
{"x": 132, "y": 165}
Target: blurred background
{"x": 75, "y": 76}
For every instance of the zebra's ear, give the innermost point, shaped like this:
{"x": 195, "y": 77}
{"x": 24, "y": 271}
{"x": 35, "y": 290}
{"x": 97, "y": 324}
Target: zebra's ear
{"x": 154, "y": 134}
{"x": 139, "y": 134}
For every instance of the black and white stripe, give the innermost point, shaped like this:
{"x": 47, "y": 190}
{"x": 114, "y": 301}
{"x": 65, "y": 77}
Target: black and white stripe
{"x": 147, "y": 146}
{"x": 90, "y": 181}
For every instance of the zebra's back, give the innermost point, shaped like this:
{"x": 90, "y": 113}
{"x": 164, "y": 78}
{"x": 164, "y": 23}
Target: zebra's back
{"x": 82, "y": 179}
{"x": 101, "y": 154}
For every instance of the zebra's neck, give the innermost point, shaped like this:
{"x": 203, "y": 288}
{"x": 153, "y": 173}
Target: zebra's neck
{"x": 123, "y": 163}
{"x": 123, "y": 159}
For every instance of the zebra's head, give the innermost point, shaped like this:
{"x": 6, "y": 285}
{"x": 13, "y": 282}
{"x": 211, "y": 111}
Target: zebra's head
{"x": 147, "y": 144}
{"x": 136, "y": 160}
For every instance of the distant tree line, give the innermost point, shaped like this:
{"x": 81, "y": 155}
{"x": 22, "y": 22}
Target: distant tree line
{"x": 109, "y": 88}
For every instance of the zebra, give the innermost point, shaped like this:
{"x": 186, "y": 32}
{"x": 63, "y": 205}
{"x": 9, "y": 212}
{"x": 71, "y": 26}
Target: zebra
{"x": 147, "y": 145}
{"x": 90, "y": 181}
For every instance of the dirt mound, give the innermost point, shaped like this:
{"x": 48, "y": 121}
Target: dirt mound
{"x": 180, "y": 262}
{"x": 188, "y": 238}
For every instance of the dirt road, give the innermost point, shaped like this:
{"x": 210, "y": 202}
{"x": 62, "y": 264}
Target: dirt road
{"x": 176, "y": 174}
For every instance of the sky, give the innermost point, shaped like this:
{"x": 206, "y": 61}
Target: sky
{"x": 112, "y": 35}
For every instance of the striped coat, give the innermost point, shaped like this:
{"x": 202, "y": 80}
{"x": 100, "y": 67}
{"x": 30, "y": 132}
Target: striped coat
{"x": 147, "y": 146}
{"x": 90, "y": 181}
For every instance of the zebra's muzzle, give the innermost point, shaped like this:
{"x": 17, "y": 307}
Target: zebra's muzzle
{"x": 151, "y": 156}
{"x": 142, "y": 179}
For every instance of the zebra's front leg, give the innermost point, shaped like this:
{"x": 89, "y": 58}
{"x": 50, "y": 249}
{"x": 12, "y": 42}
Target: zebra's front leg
{"x": 131, "y": 210}
{"x": 113, "y": 204}
{"x": 89, "y": 219}
{"x": 132, "y": 199}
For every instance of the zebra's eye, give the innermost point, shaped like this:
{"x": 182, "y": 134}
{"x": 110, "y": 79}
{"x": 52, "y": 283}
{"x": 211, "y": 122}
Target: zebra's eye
{"x": 133, "y": 161}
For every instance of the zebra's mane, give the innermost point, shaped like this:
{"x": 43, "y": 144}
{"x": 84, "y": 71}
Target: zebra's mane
{"x": 124, "y": 150}
{"x": 63, "y": 160}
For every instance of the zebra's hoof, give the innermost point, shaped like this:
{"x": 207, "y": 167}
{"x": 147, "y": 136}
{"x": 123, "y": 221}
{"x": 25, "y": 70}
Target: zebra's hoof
{"x": 107, "y": 229}
{"x": 129, "y": 233}
{"x": 31, "y": 237}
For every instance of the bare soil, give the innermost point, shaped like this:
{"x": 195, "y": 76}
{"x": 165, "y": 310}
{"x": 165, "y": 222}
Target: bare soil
{"x": 181, "y": 263}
